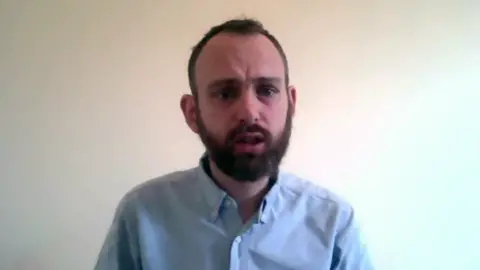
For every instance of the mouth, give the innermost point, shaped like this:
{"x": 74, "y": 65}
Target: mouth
{"x": 250, "y": 143}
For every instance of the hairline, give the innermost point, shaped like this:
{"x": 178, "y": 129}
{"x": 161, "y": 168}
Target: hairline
{"x": 257, "y": 29}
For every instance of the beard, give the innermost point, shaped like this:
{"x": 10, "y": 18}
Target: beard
{"x": 247, "y": 167}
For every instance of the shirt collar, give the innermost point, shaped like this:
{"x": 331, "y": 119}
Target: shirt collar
{"x": 216, "y": 197}
{"x": 213, "y": 195}
{"x": 268, "y": 207}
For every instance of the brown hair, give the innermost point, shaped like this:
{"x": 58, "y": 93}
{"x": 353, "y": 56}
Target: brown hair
{"x": 236, "y": 26}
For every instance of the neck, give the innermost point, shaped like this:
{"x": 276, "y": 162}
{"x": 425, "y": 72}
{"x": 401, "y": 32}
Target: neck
{"x": 248, "y": 195}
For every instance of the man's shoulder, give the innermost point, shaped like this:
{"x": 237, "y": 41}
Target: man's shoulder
{"x": 315, "y": 196}
{"x": 306, "y": 187}
{"x": 161, "y": 188}
{"x": 167, "y": 181}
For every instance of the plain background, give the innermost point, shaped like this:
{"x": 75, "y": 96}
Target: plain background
{"x": 388, "y": 117}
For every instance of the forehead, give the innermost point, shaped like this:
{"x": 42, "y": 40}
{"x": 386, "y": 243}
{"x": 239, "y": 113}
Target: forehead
{"x": 238, "y": 57}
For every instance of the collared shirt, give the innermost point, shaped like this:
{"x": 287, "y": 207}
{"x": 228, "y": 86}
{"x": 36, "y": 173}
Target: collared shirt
{"x": 184, "y": 221}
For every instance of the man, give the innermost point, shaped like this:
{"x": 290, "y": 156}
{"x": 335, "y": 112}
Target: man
{"x": 235, "y": 210}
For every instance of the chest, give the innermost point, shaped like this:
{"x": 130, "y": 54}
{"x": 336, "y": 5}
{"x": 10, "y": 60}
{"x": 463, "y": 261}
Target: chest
{"x": 208, "y": 246}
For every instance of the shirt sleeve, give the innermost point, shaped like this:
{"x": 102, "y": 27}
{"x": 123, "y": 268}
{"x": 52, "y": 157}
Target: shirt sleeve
{"x": 350, "y": 252}
{"x": 119, "y": 250}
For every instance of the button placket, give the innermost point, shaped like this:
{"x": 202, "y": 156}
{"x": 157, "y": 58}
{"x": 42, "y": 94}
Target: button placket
{"x": 235, "y": 254}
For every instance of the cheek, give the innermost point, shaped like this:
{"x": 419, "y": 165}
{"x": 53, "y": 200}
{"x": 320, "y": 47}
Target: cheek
{"x": 215, "y": 123}
{"x": 276, "y": 119}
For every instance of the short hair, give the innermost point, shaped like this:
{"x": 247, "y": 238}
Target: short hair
{"x": 245, "y": 26}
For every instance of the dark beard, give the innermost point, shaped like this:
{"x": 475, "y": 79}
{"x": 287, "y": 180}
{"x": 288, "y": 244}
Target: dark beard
{"x": 247, "y": 167}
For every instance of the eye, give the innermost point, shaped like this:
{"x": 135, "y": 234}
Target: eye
{"x": 266, "y": 90}
{"x": 226, "y": 93}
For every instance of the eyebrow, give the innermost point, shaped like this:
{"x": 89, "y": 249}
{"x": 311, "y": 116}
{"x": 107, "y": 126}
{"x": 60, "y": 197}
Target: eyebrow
{"x": 233, "y": 81}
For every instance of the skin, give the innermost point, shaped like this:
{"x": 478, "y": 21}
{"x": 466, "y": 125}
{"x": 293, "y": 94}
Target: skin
{"x": 239, "y": 78}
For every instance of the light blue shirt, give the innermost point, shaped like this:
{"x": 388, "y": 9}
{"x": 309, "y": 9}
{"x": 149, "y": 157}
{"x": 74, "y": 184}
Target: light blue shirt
{"x": 183, "y": 221}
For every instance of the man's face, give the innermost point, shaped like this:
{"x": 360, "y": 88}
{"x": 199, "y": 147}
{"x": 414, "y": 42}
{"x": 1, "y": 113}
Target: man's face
{"x": 243, "y": 113}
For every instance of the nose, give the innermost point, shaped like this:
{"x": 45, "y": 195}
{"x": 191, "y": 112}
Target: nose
{"x": 248, "y": 107}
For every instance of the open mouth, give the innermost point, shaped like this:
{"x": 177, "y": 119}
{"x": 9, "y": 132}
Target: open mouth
{"x": 249, "y": 142}
{"x": 250, "y": 138}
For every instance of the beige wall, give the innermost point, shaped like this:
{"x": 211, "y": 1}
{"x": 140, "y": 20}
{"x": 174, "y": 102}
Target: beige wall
{"x": 388, "y": 116}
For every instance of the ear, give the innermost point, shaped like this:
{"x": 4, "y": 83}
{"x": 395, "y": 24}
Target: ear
{"x": 189, "y": 109}
{"x": 292, "y": 97}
